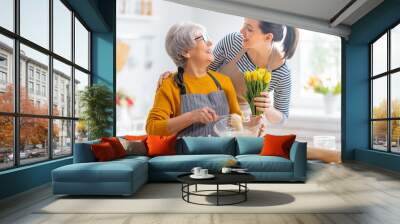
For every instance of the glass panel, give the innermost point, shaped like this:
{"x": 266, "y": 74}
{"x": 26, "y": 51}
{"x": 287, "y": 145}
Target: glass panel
{"x": 62, "y": 138}
{"x": 6, "y": 74}
{"x": 62, "y": 29}
{"x": 6, "y": 142}
{"x": 81, "y": 45}
{"x": 34, "y": 79}
{"x": 379, "y": 98}
{"x": 62, "y": 89}
{"x": 81, "y": 131}
{"x": 379, "y": 55}
{"x": 395, "y": 94}
{"x": 7, "y": 14}
{"x": 35, "y": 21}
{"x": 81, "y": 81}
{"x": 33, "y": 139}
{"x": 395, "y": 47}
{"x": 379, "y": 135}
{"x": 395, "y": 136}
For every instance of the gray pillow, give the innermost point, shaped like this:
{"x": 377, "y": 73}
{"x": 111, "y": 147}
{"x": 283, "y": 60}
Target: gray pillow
{"x": 134, "y": 147}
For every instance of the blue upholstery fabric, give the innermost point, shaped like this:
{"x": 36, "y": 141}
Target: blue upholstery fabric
{"x": 257, "y": 163}
{"x": 298, "y": 155}
{"x": 249, "y": 145}
{"x": 83, "y": 152}
{"x": 206, "y": 145}
{"x": 119, "y": 177}
{"x": 184, "y": 163}
{"x": 126, "y": 175}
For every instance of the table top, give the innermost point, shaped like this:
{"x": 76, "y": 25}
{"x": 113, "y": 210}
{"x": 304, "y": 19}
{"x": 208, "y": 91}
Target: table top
{"x": 220, "y": 178}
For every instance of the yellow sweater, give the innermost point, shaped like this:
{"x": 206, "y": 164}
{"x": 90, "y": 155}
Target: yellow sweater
{"x": 167, "y": 99}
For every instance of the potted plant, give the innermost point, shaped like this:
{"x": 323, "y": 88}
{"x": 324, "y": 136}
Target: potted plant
{"x": 326, "y": 86}
{"x": 96, "y": 102}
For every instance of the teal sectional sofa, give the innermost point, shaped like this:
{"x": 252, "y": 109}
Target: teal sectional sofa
{"x": 125, "y": 176}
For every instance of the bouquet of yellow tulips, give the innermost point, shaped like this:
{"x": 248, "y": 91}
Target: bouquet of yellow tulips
{"x": 257, "y": 81}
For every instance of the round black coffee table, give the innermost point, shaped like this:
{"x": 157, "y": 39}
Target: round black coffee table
{"x": 238, "y": 179}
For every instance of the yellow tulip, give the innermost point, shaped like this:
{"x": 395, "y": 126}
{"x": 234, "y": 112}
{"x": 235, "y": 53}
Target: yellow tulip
{"x": 247, "y": 75}
{"x": 254, "y": 76}
{"x": 262, "y": 71}
{"x": 267, "y": 77}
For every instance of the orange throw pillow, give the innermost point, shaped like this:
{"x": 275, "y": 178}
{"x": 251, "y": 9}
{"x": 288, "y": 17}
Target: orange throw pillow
{"x": 277, "y": 145}
{"x": 135, "y": 137}
{"x": 116, "y": 145}
{"x": 103, "y": 152}
{"x": 161, "y": 145}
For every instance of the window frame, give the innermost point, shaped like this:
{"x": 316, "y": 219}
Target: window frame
{"x": 388, "y": 74}
{"x": 16, "y": 114}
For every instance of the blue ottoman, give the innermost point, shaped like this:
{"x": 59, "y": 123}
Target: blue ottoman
{"x": 118, "y": 177}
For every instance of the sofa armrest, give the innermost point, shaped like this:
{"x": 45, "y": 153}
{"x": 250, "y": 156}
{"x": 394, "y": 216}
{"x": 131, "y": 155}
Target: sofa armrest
{"x": 298, "y": 155}
{"x": 83, "y": 152}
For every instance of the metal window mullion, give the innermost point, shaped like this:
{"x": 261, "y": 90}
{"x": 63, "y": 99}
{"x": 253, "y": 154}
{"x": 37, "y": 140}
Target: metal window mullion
{"x": 16, "y": 84}
{"x": 371, "y": 102}
{"x": 73, "y": 82}
{"x": 50, "y": 81}
{"x": 389, "y": 101}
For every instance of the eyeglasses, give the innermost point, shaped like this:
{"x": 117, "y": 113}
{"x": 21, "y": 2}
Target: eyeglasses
{"x": 203, "y": 36}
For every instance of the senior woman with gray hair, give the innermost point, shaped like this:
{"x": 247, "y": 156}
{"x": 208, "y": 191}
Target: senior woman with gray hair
{"x": 188, "y": 103}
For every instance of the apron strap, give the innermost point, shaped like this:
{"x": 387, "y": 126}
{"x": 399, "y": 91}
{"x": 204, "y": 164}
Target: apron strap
{"x": 215, "y": 81}
{"x": 182, "y": 88}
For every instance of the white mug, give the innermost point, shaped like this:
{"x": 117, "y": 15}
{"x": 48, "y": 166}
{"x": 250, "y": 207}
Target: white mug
{"x": 203, "y": 172}
{"x": 226, "y": 170}
{"x": 196, "y": 170}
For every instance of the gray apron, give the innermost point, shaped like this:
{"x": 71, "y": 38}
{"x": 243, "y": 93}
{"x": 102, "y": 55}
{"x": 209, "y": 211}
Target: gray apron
{"x": 216, "y": 100}
{"x": 230, "y": 69}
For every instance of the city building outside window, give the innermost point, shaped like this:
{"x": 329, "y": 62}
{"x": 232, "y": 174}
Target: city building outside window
{"x": 55, "y": 136}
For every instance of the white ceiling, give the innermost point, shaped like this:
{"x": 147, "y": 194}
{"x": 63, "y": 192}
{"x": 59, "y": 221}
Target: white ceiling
{"x": 316, "y": 15}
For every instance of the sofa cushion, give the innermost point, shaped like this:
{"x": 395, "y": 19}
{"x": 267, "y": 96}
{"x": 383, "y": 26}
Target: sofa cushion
{"x": 134, "y": 147}
{"x": 249, "y": 145}
{"x": 206, "y": 145}
{"x": 116, "y": 145}
{"x": 277, "y": 145}
{"x": 111, "y": 171}
{"x": 185, "y": 163}
{"x": 257, "y": 163}
{"x": 103, "y": 152}
{"x": 83, "y": 152}
{"x": 161, "y": 145}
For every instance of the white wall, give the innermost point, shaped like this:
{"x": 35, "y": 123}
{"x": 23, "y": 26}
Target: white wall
{"x": 141, "y": 83}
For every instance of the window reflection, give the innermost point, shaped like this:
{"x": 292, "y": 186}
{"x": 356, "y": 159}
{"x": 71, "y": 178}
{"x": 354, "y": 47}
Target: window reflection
{"x": 33, "y": 61}
{"x": 81, "y": 45}
{"x": 34, "y": 21}
{"x": 62, "y": 29}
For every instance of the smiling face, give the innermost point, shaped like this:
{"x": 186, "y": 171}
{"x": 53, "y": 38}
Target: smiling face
{"x": 201, "y": 54}
{"x": 253, "y": 37}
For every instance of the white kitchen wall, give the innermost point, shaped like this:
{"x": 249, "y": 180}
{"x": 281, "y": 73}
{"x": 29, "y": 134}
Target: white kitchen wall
{"x": 146, "y": 36}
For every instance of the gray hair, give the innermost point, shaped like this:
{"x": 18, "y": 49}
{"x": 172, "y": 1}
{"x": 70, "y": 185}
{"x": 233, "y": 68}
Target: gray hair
{"x": 180, "y": 38}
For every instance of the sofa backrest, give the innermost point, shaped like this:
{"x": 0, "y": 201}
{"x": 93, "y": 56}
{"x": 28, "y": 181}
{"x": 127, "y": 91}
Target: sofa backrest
{"x": 83, "y": 152}
{"x": 206, "y": 145}
{"x": 249, "y": 145}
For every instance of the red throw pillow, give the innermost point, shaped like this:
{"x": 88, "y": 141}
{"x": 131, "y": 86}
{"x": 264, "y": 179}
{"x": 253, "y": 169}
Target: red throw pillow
{"x": 135, "y": 137}
{"x": 277, "y": 145}
{"x": 161, "y": 145}
{"x": 103, "y": 152}
{"x": 116, "y": 145}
